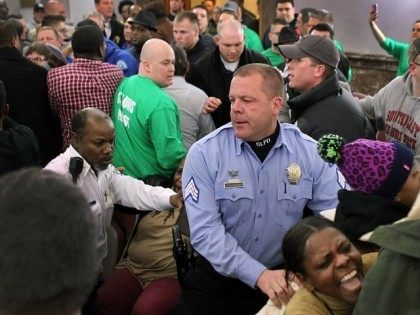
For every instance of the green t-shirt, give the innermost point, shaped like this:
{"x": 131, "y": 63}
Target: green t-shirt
{"x": 339, "y": 45}
{"x": 399, "y": 51}
{"x": 275, "y": 59}
{"x": 252, "y": 40}
{"x": 147, "y": 129}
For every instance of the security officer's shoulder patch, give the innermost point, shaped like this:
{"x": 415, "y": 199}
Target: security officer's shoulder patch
{"x": 122, "y": 64}
{"x": 192, "y": 191}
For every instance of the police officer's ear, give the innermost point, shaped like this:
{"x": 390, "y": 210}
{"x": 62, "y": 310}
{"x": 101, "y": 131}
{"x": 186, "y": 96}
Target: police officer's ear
{"x": 277, "y": 105}
{"x": 75, "y": 140}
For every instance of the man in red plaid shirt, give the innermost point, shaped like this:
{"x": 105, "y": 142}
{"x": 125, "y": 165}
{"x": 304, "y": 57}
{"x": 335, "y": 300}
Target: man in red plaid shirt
{"x": 87, "y": 82}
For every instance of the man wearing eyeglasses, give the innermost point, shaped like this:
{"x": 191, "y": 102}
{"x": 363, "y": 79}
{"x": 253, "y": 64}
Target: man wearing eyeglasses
{"x": 398, "y": 104}
{"x": 272, "y": 53}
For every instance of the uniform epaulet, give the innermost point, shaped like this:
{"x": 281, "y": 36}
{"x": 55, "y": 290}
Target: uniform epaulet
{"x": 294, "y": 129}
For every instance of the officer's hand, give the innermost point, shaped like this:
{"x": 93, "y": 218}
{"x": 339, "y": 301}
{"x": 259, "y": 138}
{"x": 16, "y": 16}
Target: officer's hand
{"x": 273, "y": 283}
{"x": 211, "y": 104}
{"x": 176, "y": 200}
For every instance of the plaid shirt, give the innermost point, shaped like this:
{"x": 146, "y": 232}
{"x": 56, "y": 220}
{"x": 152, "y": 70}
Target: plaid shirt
{"x": 83, "y": 83}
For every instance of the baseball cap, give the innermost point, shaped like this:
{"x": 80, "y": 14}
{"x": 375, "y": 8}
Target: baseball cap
{"x": 316, "y": 46}
{"x": 38, "y": 7}
{"x": 230, "y": 6}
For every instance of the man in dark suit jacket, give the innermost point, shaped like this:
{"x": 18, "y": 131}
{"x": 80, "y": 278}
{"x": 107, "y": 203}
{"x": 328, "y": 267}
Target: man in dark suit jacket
{"x": 214, "y": 71}
{"x": 114, "y": 30}
{"x": 26, "y": 88}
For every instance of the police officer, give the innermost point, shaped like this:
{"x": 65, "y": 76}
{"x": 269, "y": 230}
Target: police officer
{"x": 244, "y": 186}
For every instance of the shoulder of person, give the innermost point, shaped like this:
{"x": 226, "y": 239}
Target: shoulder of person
{"x": 255, "y": 56}
{"x": 216, "y": 136}
{"x": 293, "y": 131}
{"x": 304, "y": 302}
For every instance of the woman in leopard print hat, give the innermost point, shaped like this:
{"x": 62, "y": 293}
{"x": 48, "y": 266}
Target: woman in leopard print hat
{"x": 381, "y": 174}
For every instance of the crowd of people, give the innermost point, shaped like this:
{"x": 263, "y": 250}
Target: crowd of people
{"x": 294, "y": 194}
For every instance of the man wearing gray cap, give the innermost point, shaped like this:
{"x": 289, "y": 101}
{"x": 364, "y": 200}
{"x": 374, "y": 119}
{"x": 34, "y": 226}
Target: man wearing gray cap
{"x": 322, "y": 106}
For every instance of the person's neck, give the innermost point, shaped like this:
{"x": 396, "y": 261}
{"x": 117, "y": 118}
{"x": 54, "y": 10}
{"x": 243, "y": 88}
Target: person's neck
{"x": 88, "y": 57}
{"x": 415, "y": 87}
{"x": 106, "y": 19}
{"x": 310, "y": 88}
{"x": 192, "y": 47}
{"x": 175, "y": 13}
{"x": 275, "y": 50}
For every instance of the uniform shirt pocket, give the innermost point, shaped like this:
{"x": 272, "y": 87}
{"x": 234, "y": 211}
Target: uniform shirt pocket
{"x": 292, "y": 199}
{"x": 235, "y": 205}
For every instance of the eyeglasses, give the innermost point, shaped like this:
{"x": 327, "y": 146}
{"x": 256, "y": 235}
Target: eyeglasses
{"x": 415, "y": 63}
{"x": 36, "y": 59}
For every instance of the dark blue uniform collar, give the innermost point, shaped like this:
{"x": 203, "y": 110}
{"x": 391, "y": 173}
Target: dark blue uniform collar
{"x": 281, "y": 140}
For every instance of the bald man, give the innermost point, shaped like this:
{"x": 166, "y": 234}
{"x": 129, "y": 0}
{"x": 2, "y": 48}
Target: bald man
{"x": 214, "y": 71}
{"x": 55, "y": 8}
{"x": 148, "y": 140}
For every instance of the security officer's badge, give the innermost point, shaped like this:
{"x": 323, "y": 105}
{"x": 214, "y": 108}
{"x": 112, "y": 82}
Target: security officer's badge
{"x": 117, "y": 40}
{"x": 234, "y": 182}
{"x": 294, "y": 173}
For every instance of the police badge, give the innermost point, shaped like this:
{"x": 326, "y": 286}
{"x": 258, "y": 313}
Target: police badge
{"x": 294, "y": 173}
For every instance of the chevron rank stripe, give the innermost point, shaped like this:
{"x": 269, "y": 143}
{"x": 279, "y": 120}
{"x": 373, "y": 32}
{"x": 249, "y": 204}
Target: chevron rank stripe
{"x": 192, "y": 191}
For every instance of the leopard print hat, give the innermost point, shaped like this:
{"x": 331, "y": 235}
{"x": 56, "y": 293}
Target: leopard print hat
{"x": 372, "y": 167}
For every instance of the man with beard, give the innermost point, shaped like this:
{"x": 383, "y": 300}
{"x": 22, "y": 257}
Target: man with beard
{"x": 143, "y": 28}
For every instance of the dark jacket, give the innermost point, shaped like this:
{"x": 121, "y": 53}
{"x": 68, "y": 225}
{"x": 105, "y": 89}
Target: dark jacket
{"x": 198, "y": 51}
{"x": 358, "y": 213}
{"x": 18, "y": 147}
{"x": 392, "y": 284}
{"x": 208, "y": 41}
{"x": 343, "y": 65}
{"x": 117, "y": 32}
{"x": 210, "y": 75}
{"x": 26, "y": 90}
{"x": 249, "y": 19}
{"x": 327, "y": 108}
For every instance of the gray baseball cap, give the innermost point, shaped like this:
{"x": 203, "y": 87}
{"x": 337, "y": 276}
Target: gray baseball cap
{"x": 316, "y": 46}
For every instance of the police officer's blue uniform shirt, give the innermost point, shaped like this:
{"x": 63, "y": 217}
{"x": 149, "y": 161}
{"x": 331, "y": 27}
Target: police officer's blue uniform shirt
{"x": 121, "y": 58}
{"x": 240, "y": 208}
